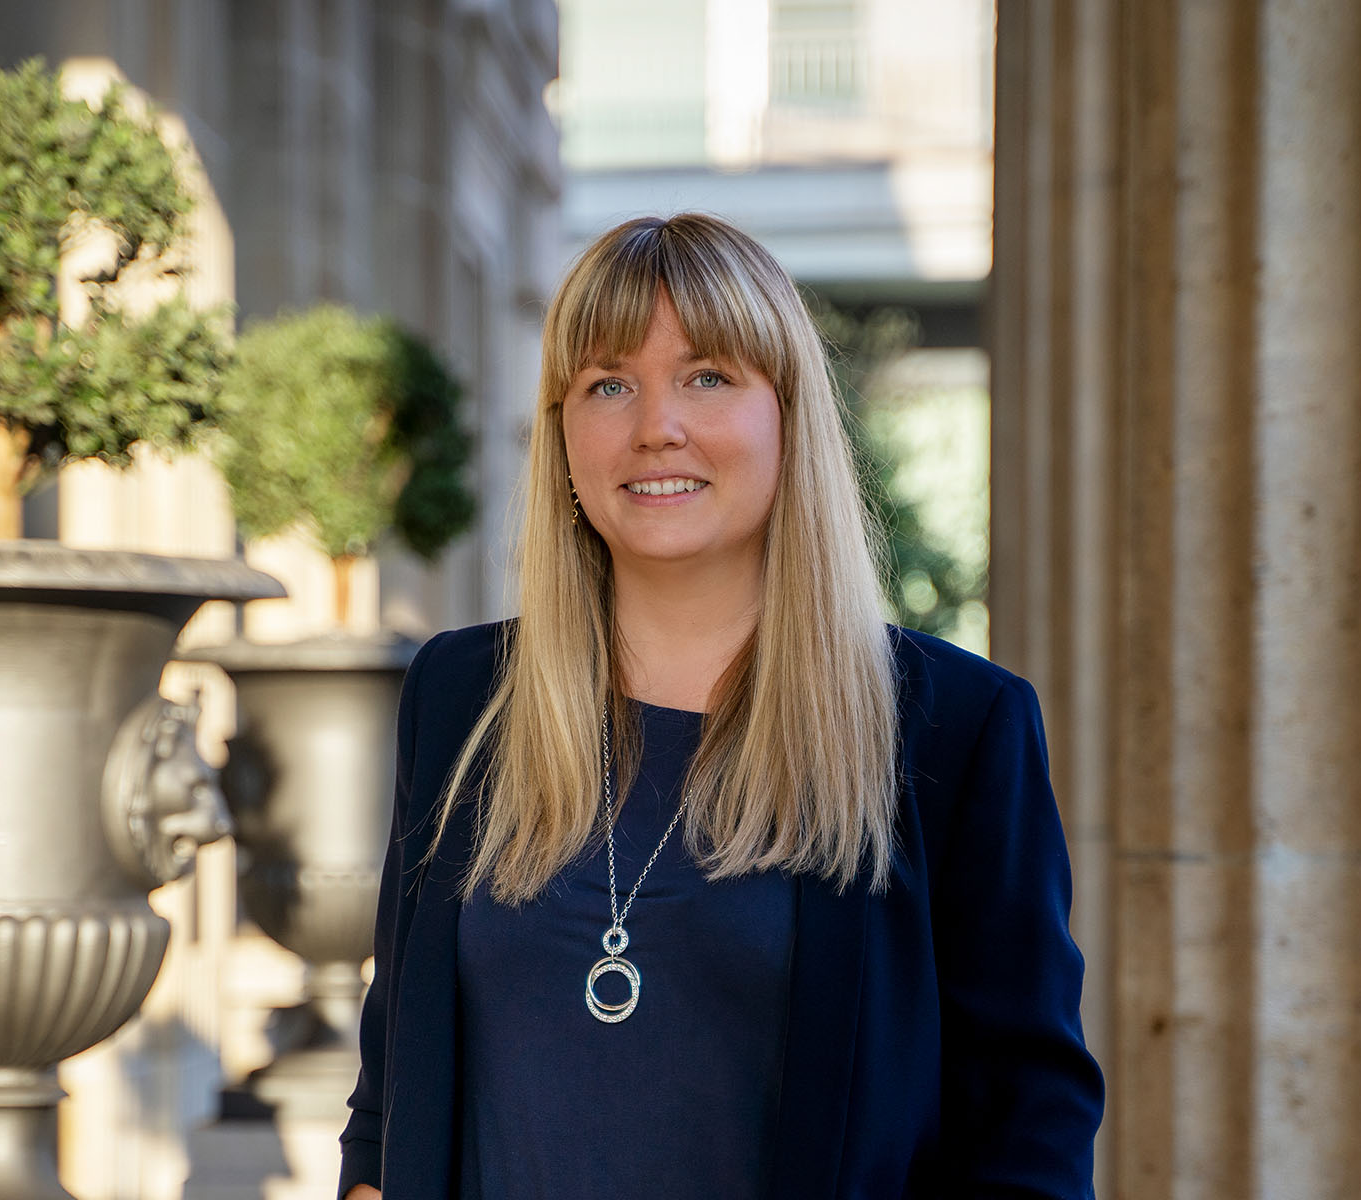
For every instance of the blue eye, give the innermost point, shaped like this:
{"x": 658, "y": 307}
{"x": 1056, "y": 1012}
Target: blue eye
{"x": 708, "y": 379}
{"x": 609, "y": 387}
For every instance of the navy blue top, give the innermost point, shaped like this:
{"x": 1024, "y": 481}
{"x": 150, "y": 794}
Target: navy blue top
{"x": 558, "y": 1104}
{"x": 932, "y": 1042}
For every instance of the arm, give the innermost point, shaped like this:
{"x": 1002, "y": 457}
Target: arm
{"x": 362, "y": 1140}
{"x": 1021, "y": 1097}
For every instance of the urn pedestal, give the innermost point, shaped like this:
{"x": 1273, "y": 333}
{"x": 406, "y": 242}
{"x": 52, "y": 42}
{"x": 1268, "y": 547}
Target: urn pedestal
{"x": 102, "y": 798}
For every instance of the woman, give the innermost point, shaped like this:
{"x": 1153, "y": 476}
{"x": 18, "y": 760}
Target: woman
{"x": 821, "y": 948}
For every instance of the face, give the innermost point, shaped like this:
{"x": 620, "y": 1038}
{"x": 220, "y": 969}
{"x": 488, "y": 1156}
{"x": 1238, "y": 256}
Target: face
{"x": 675, "y": 457}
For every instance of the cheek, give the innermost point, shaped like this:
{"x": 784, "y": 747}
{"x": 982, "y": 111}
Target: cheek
{"x": 579, "y": 443}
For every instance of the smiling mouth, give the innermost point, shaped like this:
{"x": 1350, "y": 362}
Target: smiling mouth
{"x": 665, "y": 487}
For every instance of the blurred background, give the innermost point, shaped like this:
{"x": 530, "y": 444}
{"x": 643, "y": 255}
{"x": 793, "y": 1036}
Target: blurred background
{"x": 1091, "y": 273}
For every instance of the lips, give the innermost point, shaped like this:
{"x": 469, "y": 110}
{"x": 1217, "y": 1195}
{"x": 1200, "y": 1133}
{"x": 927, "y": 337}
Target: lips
{"x": 665, "y": 487}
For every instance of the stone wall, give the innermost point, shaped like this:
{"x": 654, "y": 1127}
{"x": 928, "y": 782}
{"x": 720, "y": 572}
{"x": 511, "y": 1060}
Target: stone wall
{"x": 1177, "y": 558}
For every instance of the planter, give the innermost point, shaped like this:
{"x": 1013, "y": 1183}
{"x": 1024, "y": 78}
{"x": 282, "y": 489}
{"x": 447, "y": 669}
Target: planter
{"x": 309, "y": 785}
{"x": 102, "y": 797}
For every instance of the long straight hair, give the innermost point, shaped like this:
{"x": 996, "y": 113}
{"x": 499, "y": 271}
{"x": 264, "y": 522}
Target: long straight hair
{"x": 795, "y": 767}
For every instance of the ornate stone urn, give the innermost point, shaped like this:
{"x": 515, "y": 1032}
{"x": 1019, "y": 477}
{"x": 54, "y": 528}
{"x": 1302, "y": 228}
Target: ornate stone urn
{"x": 309, "y": 785}
{"x": 102, "y": 798}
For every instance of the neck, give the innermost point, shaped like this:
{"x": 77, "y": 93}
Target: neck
{"x": 679, "y": 627}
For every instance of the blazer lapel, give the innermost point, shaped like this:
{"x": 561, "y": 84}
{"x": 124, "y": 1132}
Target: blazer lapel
{"x": 824, "y": 1008}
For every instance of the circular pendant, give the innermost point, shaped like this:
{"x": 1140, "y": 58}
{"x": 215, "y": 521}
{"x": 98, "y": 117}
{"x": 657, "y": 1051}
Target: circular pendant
{"x": 612, "y": 1013}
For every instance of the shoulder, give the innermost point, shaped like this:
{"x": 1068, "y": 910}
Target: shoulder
{"x": 953, "y": 703}
{"x": 934, "y": 673}
{"x": 452, "y": 676}
{"x": 471, "y": 646}
{"x": 469, "y": 659}
{"x": 447, "y": 687}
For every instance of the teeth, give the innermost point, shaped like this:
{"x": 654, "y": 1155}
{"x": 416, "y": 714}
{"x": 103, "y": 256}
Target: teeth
{"x": 665, "y": 487}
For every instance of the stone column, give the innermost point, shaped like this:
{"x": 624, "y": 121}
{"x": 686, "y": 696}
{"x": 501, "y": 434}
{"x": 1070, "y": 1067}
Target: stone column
{"x": 1306, "y": 753}
{"x": 1177, "y": 542}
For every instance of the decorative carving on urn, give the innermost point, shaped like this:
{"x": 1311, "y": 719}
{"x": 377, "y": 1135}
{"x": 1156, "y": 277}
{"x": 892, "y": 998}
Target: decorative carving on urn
{"x": 161, "y": 800}
{"x": 73, "y": 975}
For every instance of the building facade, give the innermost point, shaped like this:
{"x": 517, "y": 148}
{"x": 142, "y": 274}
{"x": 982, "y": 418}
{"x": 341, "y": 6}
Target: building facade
{"x": 853, "y": 138}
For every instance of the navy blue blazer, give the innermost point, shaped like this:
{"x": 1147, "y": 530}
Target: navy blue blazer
{"x": 934, "y": 1047}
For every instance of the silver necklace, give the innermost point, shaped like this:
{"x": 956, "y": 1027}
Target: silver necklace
{"x": 615, "y": 940}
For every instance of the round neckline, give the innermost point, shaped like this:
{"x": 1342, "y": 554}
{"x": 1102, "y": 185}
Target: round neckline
{"x": 673, "y": 716}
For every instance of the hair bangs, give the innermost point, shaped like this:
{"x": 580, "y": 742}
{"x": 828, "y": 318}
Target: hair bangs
{"x": 725, "y": 319}
{"x": 726, "y": 297}
{"x": 727, "y": 291}
{"x": 616, "y": 307}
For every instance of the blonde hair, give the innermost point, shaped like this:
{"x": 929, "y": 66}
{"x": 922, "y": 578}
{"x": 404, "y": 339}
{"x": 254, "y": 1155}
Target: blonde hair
{"x": 795, "y": 767}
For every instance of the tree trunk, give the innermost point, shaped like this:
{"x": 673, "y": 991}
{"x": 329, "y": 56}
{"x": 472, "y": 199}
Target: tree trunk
{"x": 344, "y": 573}
{"x": 13, "y": 460}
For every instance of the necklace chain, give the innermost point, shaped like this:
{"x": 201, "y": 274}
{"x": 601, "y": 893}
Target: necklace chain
{"x": 618, "y": 917}
{"x": 616, "y": 940}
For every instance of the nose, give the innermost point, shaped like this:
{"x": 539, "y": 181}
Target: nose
{"x": 658, "y": 420}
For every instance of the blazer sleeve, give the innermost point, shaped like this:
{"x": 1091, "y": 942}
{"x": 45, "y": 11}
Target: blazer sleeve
{"x": 361, "y": 1143}
{"x": 1021, "y": 1096}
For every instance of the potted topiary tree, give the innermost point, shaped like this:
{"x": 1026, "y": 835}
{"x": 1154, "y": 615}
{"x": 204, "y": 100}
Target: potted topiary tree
{"x": 102, "y": 794}
{"x": 94, "y": 387}
{"x": 348, "y": 428}
{"x": 345, "y": 427}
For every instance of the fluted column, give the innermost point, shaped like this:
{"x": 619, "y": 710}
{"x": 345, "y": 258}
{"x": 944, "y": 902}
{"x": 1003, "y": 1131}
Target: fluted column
{"x": 1306, "y": 750}
{"x": 1177, "y": 482}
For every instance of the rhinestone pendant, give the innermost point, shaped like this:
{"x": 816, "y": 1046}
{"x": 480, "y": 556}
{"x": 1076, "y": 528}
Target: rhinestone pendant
{"x": 612, "y": 1014}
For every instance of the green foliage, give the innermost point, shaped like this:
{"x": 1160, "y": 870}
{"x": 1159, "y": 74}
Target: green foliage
{"x": 925, "y": 584}
{"x": 93, "y": 391}
{"x": 346, "y": 425}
